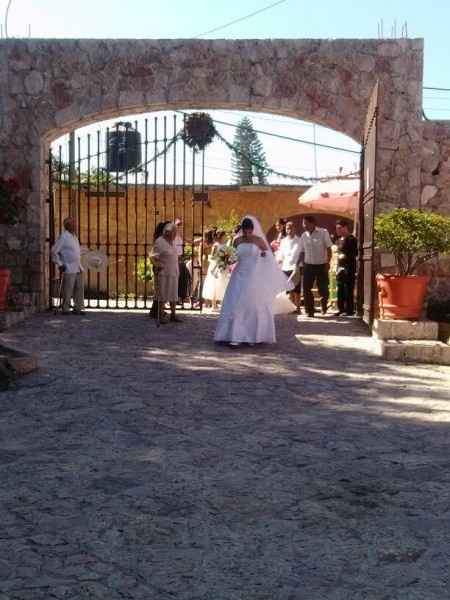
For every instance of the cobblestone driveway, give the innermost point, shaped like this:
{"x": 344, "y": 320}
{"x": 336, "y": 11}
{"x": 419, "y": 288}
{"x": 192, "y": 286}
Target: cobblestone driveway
{"x": 149, "y": 464}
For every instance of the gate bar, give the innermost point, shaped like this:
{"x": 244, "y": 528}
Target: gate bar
{"x": 88, "y": 196}
{"x": 146, "y": 260}
{"x": 108, "y": 253}
{"x": 51, "y": 229}
{"x": 165, "y": 170}
{"x": 127, "y": 223}
{"x": 136, "y": 227}
{"x": 98, "y": 211}
{"x": 117, "y": 230}
{"x": 155, "y": 175}
{"x": 174, "y": 191}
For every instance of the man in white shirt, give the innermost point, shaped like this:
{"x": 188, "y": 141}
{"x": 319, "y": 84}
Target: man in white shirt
{"x": 288, "y": 257}
{"x": 315, "y": 254}
{"x": 66, "y": 254}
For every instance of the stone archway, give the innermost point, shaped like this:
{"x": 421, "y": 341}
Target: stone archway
{"x": 52, "y": 86}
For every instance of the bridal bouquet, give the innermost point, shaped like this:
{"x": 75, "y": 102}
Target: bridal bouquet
{"x": 226, "y": 257}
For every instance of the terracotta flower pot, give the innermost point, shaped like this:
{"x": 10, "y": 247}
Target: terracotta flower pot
{"x": 401, "y": 297}
{"x": 5, "y": 279}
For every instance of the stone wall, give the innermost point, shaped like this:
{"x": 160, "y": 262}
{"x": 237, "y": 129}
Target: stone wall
{"x": 435, "y": 196}
{"x": 48, "y": 87}
{"x": 268, "y": 203}
{"x": 436, "y": 166}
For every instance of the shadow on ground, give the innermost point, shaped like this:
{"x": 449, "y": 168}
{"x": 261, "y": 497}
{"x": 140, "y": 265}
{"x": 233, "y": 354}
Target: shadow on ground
{"x": 150, "y": 463}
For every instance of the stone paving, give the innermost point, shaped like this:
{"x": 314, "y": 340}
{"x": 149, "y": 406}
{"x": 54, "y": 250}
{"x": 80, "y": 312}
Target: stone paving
{"x": 150, "y": 464}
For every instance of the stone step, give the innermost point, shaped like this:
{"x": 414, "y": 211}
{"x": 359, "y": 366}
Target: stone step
{"x": 419, "y": 351}
{"x": 396, "y": 329}
{"x": 17, "y": 361}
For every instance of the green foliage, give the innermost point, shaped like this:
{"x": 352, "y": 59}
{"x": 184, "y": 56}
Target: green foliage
{"x": 60, "y": 170}
{"x": 95, "y": 178}
{"x": 229, "y": 223}
{"x": 144, "y": 269}
{"x": 187, "y": 254}
{"x": 248, "y": 152}
{"x": 412, "y": 236}
{"x": 98, "y": 178}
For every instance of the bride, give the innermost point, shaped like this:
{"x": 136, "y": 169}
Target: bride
{"x": 247, "y": 314}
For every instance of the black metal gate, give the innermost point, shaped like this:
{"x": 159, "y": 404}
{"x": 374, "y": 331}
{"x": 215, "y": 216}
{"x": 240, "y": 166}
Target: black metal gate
{"x": 118, "y": 184}
{"x": 366, "y": 283}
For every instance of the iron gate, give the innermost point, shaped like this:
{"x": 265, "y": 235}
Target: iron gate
{"x": 118, "y": 192}
{"x": 366, "y": 283}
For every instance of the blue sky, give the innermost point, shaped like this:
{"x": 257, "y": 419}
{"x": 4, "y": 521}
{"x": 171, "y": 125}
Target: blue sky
{"x": 290, "y": 19}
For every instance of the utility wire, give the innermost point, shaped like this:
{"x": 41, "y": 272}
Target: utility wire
{"x": 258, "y": 117}
{"x": 284, "y": 137}
{"x": 6, "y": 18}
{"x": 291, "y": 139}
{"x": 240, "y": 19}
{"x": 437, "y": 89}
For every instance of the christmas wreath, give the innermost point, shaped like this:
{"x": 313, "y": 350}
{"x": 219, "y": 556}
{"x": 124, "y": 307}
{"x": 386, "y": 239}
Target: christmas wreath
{"x": 198, "y": 131}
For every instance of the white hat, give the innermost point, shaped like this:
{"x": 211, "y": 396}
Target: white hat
{"x": 94, "y": 260}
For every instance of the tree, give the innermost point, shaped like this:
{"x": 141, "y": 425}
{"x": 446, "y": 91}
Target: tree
{"x": 248, "y": 162}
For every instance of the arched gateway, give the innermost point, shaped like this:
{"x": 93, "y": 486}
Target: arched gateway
{"x": 49, "y": 87}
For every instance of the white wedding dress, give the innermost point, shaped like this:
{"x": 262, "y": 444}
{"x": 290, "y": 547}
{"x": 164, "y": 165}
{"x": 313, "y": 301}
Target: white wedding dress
{"x": 247, "y": 314}
{"x": 216, "y": 281}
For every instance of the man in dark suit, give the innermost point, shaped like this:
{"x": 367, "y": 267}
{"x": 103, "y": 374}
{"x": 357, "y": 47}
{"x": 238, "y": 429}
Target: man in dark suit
{"x": 347, "y": 251}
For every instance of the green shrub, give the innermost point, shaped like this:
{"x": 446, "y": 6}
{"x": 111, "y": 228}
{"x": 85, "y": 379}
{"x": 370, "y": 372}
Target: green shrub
{"x": 229, "y": 223}
{"x": 412, "y": 236}
{"x": 144, "y": 269}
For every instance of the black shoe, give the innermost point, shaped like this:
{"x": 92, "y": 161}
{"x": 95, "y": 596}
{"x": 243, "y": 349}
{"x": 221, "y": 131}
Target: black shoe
{"x": 310, "y": 315}
{"x": 79, "y": 312}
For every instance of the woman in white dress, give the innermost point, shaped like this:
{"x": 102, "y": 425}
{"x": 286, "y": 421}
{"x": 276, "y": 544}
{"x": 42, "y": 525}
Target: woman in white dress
{"x": 216, "y": 280}
{"x": 247, "y": 314}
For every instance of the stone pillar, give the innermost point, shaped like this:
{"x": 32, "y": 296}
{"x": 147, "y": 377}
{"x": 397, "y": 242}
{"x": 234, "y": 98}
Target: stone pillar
{"x": 435, "y": 193}
{"x": 400, "y": 126}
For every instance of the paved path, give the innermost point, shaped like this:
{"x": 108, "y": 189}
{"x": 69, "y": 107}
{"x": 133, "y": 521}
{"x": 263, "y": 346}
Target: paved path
{"x": 150, "y": 464}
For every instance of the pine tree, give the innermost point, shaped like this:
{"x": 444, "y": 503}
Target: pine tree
{"x": 248, "y": 162}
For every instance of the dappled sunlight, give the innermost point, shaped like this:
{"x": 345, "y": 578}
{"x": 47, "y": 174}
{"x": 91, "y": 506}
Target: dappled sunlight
{"x": 151, "y": 430}
{"x": 324, "y": 363}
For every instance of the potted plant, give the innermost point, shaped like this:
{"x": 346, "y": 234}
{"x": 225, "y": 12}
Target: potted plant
{"x": 413, "y": 237}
